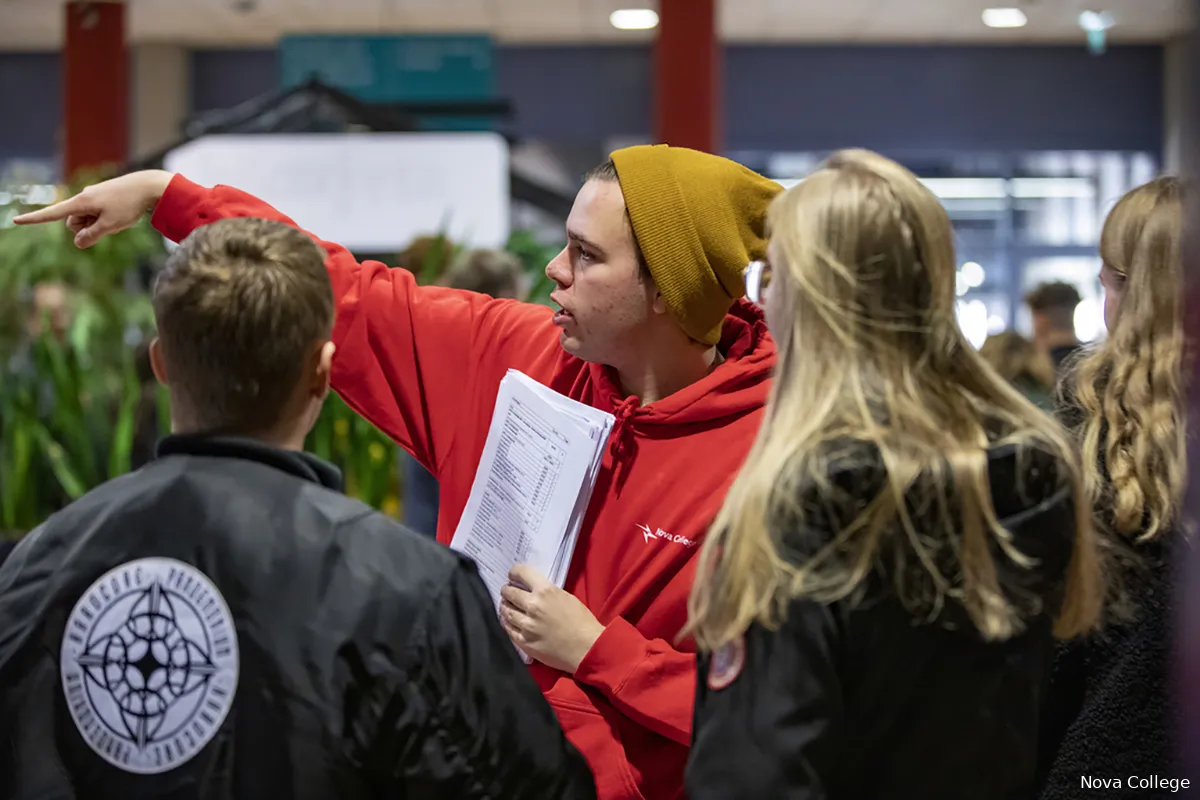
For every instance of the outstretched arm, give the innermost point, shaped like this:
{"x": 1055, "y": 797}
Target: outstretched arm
{"x": 405, "y": 352}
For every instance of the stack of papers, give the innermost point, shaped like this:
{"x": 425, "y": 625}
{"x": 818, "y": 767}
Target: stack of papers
{"x": 533, "y": 484}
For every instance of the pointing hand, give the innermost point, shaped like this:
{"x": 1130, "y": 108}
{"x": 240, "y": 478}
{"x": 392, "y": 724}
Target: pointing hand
{"x": 104, "y": 208}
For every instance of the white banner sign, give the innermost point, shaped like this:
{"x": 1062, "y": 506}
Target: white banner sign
{"x": 372, "y": 192}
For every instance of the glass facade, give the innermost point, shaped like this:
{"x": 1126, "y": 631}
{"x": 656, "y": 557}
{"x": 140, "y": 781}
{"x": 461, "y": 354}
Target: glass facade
{"x": 1019, "y": 220}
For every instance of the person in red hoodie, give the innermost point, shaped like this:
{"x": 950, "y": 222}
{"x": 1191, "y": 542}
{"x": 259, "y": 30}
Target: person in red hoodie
{"x": 651, "y": 328}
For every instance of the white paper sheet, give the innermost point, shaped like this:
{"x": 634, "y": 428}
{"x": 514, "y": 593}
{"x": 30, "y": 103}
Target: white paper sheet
{"x": 533, "y": 483}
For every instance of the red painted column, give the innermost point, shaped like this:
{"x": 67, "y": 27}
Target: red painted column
{"x": 687, "y": 75}
{"x": 95, "y": 86}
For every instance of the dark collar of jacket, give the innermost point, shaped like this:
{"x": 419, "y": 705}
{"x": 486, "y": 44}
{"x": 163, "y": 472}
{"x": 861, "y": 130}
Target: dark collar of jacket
{"x": 301, "y": 464}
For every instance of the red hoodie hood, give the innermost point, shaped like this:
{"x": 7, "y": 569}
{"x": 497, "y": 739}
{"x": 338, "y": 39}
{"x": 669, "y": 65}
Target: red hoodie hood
{"x": 738, "y": 385}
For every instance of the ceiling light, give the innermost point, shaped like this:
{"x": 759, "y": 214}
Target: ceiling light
{"x": 1004, "y": 18}
{"x": 634, "y": 19}
{"x": 1095, "y": 20}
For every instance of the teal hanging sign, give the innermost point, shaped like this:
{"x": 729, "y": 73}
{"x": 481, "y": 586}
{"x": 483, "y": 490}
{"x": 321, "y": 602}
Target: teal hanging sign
{"x": 393, "y": 69}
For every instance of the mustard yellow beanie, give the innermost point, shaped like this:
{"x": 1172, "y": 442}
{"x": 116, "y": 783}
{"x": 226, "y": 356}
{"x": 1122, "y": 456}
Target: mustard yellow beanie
{"x": 699, "y": 220}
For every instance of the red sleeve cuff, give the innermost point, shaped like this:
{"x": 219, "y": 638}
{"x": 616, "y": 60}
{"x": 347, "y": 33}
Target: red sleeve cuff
{"x": 182, "y": 208}
{"x": 613, "y": 657}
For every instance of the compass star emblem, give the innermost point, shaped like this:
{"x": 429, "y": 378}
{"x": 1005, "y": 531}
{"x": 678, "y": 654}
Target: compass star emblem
{"x": 150, "y": 664}
{"x": 147, "y": 665}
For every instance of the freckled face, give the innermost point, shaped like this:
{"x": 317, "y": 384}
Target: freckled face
{"x": 606, "y": 306}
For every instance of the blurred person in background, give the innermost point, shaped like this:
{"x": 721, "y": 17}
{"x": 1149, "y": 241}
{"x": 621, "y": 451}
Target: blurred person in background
{"x": 1053, "y": 307}
{"x": 651, "y": 327}
{"x": 224, "y": 623}
{"x": 1110, "y": 711}
{"x": 494, "y": 273}
{"x": 1021, "y": 363}
{"x": 41, "y": 322}
{"x": 877, "y": 602}
{"x": 51, "y": 310}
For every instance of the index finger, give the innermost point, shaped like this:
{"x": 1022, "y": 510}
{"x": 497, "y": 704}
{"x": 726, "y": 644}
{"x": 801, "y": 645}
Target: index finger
{"x": 52, "y": 213}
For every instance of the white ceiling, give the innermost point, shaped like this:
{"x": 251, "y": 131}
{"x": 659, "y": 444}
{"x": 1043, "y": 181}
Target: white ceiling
{"x": 37, "y": 24}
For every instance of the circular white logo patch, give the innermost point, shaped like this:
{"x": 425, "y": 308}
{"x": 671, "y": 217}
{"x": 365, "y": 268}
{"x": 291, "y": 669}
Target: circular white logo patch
{"x": 150, "y": 664}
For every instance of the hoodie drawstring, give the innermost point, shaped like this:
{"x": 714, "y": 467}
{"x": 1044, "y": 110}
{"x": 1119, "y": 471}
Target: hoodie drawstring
{"x": 618, "y": 437}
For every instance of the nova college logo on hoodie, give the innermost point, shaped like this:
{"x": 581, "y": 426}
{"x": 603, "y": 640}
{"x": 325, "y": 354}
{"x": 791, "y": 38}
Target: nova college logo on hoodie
{"x": 660, "y": 535}
{"x": 149, "y": 664}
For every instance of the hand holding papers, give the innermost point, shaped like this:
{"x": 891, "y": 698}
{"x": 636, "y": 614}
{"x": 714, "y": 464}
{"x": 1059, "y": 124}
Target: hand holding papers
{"x": 533, "y": 483}
{"x": 546, "y": 622}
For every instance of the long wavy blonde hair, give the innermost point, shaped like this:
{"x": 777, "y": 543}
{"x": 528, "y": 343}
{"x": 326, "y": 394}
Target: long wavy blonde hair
{"x": 862, "y": 306}
{"x": 1129, "y": 391}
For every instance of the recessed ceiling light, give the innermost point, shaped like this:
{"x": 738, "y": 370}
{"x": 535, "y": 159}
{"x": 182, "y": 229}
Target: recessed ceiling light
{"x": 1004, "y": 18}
{"x": 634, "y": 19}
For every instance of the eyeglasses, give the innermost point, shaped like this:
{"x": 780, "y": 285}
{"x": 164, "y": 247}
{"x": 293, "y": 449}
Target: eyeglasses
{"x": 758, "y": 281}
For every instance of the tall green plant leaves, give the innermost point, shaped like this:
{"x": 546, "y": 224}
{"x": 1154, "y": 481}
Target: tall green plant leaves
{"x": 17, "y": 504}
{"x": 70, "y": 395}
{"x": 68, "y": 399}
{"x": 70, "y": 480}
{"x": 441, "y": 253}
{"x": 120, "y": 453}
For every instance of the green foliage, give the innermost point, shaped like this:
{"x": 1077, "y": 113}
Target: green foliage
{"x": 69, "y": 389}
{"x": 434, "y": 261}
{"x": 534, "y": 255}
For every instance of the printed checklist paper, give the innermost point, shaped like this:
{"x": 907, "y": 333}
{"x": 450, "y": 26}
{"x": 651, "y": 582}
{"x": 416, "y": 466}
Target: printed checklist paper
{"x": 533, "y": 483}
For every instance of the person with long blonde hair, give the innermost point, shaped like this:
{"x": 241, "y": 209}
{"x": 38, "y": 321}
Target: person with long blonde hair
{"x": 1125, "y": 402}
{"x": 877, "y": 601}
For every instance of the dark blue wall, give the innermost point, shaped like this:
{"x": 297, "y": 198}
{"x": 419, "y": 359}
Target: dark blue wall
{"x": 934, "y": 99}
{"x": 578, "y": 94}
{"x": 900, "y": 100}
{"x": 30, "y": 105}
{"x": 895, "y": 99}
{"x": 224, "y": 78}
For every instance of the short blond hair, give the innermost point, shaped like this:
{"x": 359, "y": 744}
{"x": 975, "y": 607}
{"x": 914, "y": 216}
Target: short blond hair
{"x": 239, "y": 305}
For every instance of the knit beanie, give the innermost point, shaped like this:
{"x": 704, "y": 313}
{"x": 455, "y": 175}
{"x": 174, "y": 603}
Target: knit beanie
{"x": 699, "y": 220}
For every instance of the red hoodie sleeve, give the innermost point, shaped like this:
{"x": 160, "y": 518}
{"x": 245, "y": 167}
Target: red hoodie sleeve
{"x": 647, "y": 680}
{"x": 404, "y": 352}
